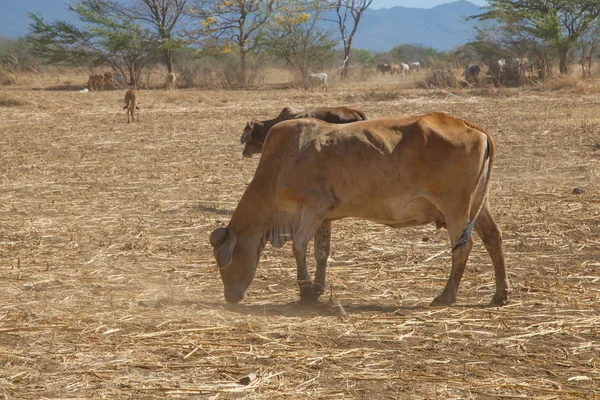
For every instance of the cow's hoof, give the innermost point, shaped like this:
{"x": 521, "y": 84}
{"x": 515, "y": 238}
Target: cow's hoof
{"x": 499, "y": 301}
{"x": 309, "y": 294}
{"x": 440, "y": 302}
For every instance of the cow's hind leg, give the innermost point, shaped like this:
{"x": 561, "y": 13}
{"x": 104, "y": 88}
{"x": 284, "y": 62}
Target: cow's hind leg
{"x": 309, "y": 224}
{"x": 488, "y": 231}
{"x": 322, "y": 244}
{"x": 456, "y": 226}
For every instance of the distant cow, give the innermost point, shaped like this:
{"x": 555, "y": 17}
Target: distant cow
{"x": 395, "y": 69}
{"x": 398, "y": 171}
{"x": 415, "y": 66}
{"x": 317, "y": 80}
{"x": 525, "y": 67}
{"x": 501, "y": 64}
{"x": 256, "y": 131}
{"x": 383, "y": 68}
{"x": 171, "y": 78}
{"x": 108, "y": 80}
{"x": 471, "y": 73}
{"x": 95, "y": 82}
{"x": 130, "y": 104}
{"x": 404, "y": 69}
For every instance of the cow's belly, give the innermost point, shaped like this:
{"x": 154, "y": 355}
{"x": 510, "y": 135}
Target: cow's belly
{"x": 395, "y": 212}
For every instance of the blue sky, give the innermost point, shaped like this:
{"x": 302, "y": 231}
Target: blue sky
{"x": 417, "y": 3}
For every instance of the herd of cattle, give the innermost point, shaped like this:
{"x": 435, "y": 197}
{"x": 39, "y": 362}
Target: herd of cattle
{"x": 108, "y": 80}
{"x": 325, "y": 164}
{"x": 398, "y": 69}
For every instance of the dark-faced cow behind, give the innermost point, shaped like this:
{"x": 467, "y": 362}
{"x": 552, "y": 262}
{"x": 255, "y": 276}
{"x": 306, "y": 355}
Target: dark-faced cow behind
{"x": 397, "y": 171}
{"x": 256, "y": 131}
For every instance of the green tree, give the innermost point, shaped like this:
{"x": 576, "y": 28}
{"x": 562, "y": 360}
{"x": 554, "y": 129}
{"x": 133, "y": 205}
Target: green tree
{"x": 162, "y": 15}
{"x": 295, "y": 37}
{"x": 560, "y": 23}
{"x": 104, "y": 39}
{"x": 228, "y": 25}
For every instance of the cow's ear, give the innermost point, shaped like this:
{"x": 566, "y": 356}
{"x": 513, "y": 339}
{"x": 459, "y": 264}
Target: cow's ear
{"x": 247, "y": 135}
{"x": 217, "y": 237}
{"x": 223, "y": 241}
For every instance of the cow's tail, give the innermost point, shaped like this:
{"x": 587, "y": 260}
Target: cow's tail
{"x": 489, "y": 157}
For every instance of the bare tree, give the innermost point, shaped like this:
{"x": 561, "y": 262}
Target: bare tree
{"x": 587, "y": 45}
{"x": 162, "y": 15}
{"x": 348, "y": 14}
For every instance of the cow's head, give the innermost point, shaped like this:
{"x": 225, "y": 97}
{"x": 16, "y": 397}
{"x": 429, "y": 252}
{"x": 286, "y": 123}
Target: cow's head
{"x": 253, "y": 138}
{"x": 237, "y": 262}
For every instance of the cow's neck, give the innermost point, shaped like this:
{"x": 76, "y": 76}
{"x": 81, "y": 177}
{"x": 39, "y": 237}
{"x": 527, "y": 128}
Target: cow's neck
{"x": 257, "y": 220}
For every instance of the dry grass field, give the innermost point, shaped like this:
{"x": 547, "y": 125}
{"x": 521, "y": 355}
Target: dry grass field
{"x": 110, "y": 289}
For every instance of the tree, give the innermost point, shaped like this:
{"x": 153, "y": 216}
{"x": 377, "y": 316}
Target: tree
{"x": 225, "y": 25}
{"x": 349, "y": 13}
{"x": 587, "y": 45}
{"x": 162, "y": 15}
{"x": 557, "y": 22}
{"x": 104, "y": 39}
{"x": 295, "y": 37}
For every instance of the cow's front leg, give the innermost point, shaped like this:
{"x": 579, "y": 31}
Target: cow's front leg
{"x": 309, "y": 223}
{"x": 322, "y": 247}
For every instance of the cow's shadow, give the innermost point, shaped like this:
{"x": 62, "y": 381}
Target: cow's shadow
{"x": 322, "y": 308}
{"x": 214, "y": 210}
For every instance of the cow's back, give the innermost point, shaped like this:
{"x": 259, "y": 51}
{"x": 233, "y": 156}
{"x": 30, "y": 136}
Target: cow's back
{"x": 379, "y": 162}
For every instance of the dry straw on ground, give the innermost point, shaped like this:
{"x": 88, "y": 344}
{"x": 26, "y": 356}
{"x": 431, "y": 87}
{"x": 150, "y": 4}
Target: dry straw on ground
{"x": 110, "y": 289}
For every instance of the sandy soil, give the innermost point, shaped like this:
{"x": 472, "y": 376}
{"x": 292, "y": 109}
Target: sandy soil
{"x": 110, "y": 290}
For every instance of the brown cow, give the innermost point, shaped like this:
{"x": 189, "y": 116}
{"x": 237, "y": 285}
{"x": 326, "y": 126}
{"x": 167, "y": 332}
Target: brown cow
{"x": 256, "y": 131}
{"x": 383, "y": 68}
{"x": 108, "y": 80}
{"x": 130, "y": 104}
{"x": 95, "y": 82}
{"x": 397, "y": 171}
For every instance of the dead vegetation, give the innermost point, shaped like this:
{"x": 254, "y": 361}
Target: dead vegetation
{"x": 110, "y": 289}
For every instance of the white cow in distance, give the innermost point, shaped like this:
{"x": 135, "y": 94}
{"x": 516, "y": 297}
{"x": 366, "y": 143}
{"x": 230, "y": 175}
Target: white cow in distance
{"x": 404, "y": 69}
{"x": 414, "y": 66}
{"x": 502, "y": 64}
{"x": 317, "y": 80}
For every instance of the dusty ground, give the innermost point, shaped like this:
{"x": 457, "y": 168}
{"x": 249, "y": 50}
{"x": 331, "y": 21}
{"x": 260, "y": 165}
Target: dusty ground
{"x": 109, "y": 288}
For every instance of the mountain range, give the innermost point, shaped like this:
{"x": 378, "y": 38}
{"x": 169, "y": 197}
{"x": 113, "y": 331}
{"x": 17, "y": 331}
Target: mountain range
{"x": 442, "y": 27}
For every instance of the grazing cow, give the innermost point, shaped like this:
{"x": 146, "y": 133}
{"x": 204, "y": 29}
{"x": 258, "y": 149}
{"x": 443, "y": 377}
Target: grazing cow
{"x": 383, "y": 68}
{"x": 317, "y": 80}
{"x": 404, "y": 69}
{"x": 395, "y": 69}
{"x": 130, "y": 104}
{"x": 415, "y": 66}
{"x": 471, "y": 73}
{"x": 398, "y": 171}
{"x": 108, "y": 80}
{"x": 502, "y": 64}
{"x": 256, "y": 131}
{"x": 95, "y": 82}
{"x": 171, "y": 78}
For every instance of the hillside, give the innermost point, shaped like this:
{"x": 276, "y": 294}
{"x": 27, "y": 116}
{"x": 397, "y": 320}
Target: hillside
{"x": 441, "y": 27}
